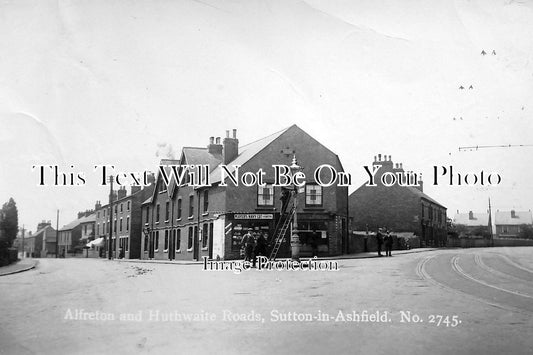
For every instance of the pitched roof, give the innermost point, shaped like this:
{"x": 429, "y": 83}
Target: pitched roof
{"x": 246, "y": 152}
{"x": 505, "y": 218}
{"x": 77, "y": 222}
{"x": 479, "y": 219}
{"x": 42, "y": 231}
{"x": 419, "y": 193}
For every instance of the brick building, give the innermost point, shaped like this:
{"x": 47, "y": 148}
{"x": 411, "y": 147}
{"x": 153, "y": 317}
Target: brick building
{"x": 397, "y": 208}
{"x": 509, "y": 223}
{"x": 188, "y": 223}
{"x": 42, "y": 243}
{"x": 127, "y": 224}
{"x": 70, "y": 241}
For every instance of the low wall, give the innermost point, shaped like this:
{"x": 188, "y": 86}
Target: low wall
{"x": 482, "y": 243}
{"x": 357, "y": 243}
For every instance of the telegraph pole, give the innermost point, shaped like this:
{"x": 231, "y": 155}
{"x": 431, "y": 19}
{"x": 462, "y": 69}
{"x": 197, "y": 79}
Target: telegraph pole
{"x": 111, "y": 222}
{"x": 57, "y": 234}
{"x": 23, "y": 251}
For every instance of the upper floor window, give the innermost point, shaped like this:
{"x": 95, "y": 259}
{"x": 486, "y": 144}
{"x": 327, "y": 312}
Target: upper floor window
{"x": 167, "y": 211}
{"x": 265, "y": 195}
{"x": 191, "y": 206}
{"x": 206, "y": 201}
{"x": 128, "y": 205}
{"x": 147, "y": 219}
{"x": 157, "y": 211}
{"x": 121, "y": 207}
{"x": 313, "y": 195}
{"x": 179, "y": 208}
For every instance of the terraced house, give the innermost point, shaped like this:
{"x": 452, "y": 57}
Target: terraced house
{"x": 188, "y": 222}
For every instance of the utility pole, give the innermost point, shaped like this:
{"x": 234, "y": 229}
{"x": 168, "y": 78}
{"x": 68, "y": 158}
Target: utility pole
{"x": 57, "y": 234}
{"x": 23, "y": 251}
{"x": 111, "y": 222}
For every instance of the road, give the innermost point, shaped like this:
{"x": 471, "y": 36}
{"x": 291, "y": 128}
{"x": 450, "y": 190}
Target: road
{"x": 455, "y": 301}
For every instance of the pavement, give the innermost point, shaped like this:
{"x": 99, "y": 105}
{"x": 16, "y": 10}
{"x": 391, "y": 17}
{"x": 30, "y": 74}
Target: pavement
{"x": 19, "y": 266}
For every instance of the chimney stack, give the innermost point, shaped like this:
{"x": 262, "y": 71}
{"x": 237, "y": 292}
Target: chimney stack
{"x": 214, "y": 148}
{"x": 230, "y": 147}
{"x": 121, "y": 192}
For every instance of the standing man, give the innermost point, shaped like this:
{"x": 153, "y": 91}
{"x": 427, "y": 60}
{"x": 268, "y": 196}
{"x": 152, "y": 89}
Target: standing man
{"x": 248, "y": 242}
{"x": 388, "y": 244}
{"x": 379, "y": 237}
{"x": 260, "y": 246}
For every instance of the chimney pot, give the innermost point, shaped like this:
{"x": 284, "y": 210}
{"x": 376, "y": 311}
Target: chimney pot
{"x": 217, "y": 140}
{"x": 227, "y": 133}
{"x": 211, "y": 140}
{"x": 234, "y": 133}
{"x": 375, "y": 158}
{"x": 379, "y": 157}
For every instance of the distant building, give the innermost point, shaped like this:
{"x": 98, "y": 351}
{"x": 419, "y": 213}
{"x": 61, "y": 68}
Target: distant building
{"x": 508, "y": 223}
{"x": 70, "y": 241}
{"x": 189, "y": 223}
{"x": 397, "y": 208}
{"x": 472, "y": 224}
{"x": 127, "y": 224}
{"x": 42, "y": 243}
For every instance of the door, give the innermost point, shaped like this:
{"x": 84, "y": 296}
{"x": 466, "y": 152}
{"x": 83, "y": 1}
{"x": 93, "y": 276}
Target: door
{"x": 195, "y": 244}
{"x": 171, "y": 244}
{"x": 151, "y": 249}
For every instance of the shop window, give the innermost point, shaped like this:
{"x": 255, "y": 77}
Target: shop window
{"x": 265, "y": 195}
{"x": 156, "y": 241}
{"x": 166, "y": 240}
{"x": 313, "y": 195}
{"x": 127, "y": 243}
{"x": 146, "y": 243}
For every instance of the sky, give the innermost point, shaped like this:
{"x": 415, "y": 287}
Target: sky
{"x": 85, "y": 83}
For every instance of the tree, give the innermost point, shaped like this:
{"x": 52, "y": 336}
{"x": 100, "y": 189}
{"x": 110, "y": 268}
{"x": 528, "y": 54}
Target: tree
{"x": 9, "y": 223}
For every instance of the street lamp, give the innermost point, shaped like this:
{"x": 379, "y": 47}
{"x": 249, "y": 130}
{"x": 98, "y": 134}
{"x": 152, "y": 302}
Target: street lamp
{"x": 146, "y": 231}
{"x": 295, "y": 238}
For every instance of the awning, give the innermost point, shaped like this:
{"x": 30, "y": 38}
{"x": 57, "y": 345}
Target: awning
{"x": 98, "y": 242}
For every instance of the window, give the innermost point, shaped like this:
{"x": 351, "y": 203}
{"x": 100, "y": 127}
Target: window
{"x": 178, "y": 239}
{"x": 145, "y": 242}
{"x": 156, "y": 241}
{"x": 166, "y": 240}
{"x": 157, "y": 211}
{"x": 98, "y": 214}
{"x": 179, "y": 208}
{"x": 127, "y": 223}
{"x": 265, "y": 195}
{"x": 147, "y": 220}
{"x": 120, "y": 225}
{"x": 191, "y": 206}
{"x": 313, "y": 195}
{"x": 128, "y": 205}
{"x": 205, "y": 235}
{"x": 206, "y": 200}
{"x": 121, "y": 207}
{"x": 115, "y": 226}
{"x": 127, "y": 243}
{"x": 104, "y": 230}
{"x": 104, "y": 213}
{"x": 116, "y": 209}
{"x": 167, "y": 211}
{"x": 189, "y": 242}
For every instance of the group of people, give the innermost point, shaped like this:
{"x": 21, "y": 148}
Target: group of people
{"x": 254, "y": 244}
{"x": 384, "y": 237}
